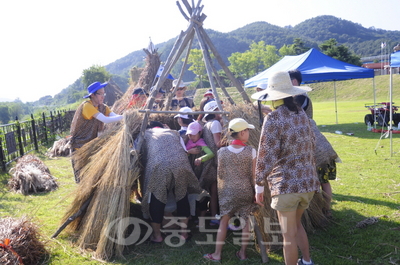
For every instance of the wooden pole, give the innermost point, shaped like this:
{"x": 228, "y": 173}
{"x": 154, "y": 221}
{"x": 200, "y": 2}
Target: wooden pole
{"x": 221, "y": 85}
{"x": 224, "y": 67}
{"x": 178, "y": 48}
{"x": 169, "y": 98}
{"x": 183, "y": 112}
{"x": 209, "y": 72}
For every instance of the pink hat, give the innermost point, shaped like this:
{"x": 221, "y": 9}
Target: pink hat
{"x": 194, "y": 128}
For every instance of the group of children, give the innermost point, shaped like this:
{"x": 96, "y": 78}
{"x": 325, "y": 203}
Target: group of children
{"x": 230, "y": 185}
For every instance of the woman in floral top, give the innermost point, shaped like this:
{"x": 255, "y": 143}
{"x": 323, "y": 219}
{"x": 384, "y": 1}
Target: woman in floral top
{"x": 286, "y": 162}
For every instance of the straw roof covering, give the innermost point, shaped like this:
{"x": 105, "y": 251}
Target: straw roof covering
{"x": 20, "y": 242}
{"x": 113, "y": 93}
{"x": 31, "y": 175}
{"x": 107, "y": 177}
{"x": 146, "y": 80}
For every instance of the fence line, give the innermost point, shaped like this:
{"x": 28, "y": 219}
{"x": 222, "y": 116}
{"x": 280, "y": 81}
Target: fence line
{"x": 20, "y": 138}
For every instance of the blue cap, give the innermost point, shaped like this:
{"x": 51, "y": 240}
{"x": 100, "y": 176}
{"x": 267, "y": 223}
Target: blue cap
{"x": 139, "y": 91}
{"x": 92, "y": 88}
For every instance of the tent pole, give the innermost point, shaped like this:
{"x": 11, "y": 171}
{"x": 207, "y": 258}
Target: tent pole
{"x": 334, "y": 89}
{"x": 391, "y": 112}
{"x": 374, "y": 92}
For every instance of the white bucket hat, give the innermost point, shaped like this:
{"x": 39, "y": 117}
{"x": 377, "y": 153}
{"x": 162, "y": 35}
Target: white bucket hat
{"x": 175, "y": 83}
{"x": 279, "y": 86}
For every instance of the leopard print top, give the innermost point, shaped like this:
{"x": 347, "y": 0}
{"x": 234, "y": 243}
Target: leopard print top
{"x": 286, "y": 153}
{"x": 235, "y": 182}
{"x": 166, "y": 167}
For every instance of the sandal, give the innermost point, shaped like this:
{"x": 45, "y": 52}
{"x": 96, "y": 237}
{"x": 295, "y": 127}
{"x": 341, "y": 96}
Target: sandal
{"x": 211, "y": 258}
{"x": 238, "y": 256}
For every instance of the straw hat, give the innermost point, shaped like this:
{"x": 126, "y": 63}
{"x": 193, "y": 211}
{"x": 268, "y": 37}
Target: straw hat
{"x": 279, "y": 86}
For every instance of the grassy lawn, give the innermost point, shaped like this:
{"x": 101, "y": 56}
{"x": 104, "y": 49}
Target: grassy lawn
{"x": 367, "y": 185}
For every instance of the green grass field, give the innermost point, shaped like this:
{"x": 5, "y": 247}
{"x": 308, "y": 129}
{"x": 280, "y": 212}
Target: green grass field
{"x": 367, "y": 185}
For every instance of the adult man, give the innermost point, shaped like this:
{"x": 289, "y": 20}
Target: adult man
{"x": 89, "y": 119}
{"x": 180, "y": 101}
{"x": 302, "y": 100}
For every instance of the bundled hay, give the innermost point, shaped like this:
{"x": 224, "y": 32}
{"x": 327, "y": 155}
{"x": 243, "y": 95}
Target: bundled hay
{"x": 20, "y": 242}
{"x": 146, "y": 80}
{"x": 31, "y": 175}
{"x": 113, "y": 93}
{"x": 248, "y": 113}
{"x": 60, "y": 148}
{"x": 107, "y": 178}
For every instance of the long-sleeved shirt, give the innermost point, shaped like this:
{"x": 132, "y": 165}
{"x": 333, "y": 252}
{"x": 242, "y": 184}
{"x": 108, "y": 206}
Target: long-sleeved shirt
{"x": 286, "y": 153}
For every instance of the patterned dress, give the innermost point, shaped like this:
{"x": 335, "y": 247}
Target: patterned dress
{"x": 209, "y": 171}
{"x": 235, "y": 182}
{"x": 166, "y": 168}
{"x": 286, "y": 153}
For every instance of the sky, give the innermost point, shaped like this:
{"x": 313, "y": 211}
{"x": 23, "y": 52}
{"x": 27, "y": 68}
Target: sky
{"x": 46, "y": 44}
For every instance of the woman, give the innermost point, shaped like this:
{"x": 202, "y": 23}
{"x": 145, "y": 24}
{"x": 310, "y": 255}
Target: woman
{"x": 286, "y": 162}
{"x": 180, "y": 101}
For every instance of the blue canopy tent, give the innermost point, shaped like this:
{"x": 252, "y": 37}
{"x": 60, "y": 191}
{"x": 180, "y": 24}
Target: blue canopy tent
{"x": 314, "y": 67}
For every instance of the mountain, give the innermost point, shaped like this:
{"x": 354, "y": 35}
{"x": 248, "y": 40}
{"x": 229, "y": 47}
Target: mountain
{"x": 362, "y": 41}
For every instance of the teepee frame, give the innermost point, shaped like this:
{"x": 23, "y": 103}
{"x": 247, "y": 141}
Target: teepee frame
{"x": 184, "y": 41}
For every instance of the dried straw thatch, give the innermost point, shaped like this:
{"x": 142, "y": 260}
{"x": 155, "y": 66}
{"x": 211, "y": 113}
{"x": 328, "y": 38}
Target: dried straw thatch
{"x": 20, "y": 242}
{"x": 107, "y": 177}
{"x": 31, "y": 175}
{"x": 113, "y": 93}
{"x": 60, "y": 148}
{"x": 146, "y": 80}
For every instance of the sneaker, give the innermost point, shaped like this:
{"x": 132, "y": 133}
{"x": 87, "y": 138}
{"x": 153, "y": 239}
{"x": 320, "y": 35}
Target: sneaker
{"x": 300, "y": 262}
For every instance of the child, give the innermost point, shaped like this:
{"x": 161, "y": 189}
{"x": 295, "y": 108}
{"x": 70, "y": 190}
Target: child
{"x": 184, "y": 120}
{"x": 235, "y": 186}
{"x": 212, "y": 136}
{"x": 194, "y": 134}
{"x": 197, "y": 157}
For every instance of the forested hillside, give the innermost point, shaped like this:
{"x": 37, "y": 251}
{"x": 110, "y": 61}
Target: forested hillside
{"x": 312, "y": 32}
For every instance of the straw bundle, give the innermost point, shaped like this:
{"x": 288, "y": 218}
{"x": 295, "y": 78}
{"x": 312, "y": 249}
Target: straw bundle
{"x": 108, "y": 177}
{"x": 20, "y": 242}
{"x": 113, "y": 93}
{"x": 31, "y": 175}
{"x": 146, "y": 80}
{"x": 248, "y": 113}
{"x": 60, "y": 148}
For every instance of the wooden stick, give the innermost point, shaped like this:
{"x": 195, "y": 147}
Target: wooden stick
{"x": 181, "y": 10}
{"x": 183, "y": 112}
{"x": 209, "y": 72}
{"x": 169, "y": 98}
{"x": 224, "y": 67}
{"x": 263, "y": 249}
{"x": 189, "y": 9}
{"x": 221, "y": 85}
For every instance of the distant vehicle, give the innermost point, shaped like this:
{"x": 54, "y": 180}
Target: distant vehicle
{"x": 380, "y": 113}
